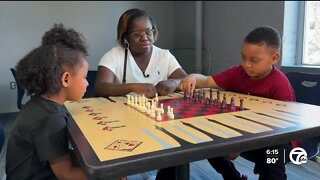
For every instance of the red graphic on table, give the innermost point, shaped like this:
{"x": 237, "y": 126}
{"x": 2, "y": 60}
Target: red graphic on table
{"x": 123, "y": 145}
{"x": 185, "y": 108}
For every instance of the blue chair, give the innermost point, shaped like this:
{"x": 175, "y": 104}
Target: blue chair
{"x": 20, "y": 89}
{"x": 1, "y": 137}
{"x": 307, "y": 89}
{"x": 91, "y": 77}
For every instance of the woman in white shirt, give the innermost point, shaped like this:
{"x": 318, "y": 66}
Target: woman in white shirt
{"x": 146, "y": 69}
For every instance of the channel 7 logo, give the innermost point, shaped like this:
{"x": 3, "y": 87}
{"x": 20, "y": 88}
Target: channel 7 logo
{"x": 298, "y": 156}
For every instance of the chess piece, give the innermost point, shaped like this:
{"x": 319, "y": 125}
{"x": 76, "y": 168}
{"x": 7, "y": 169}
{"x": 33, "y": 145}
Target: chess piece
{"x": 232, "y": 105}
{"x": 148, "y": 110}
{"x": 144, "y": 108}
{"x": 135, "y": 101}
{"x": 148, "y": 105}
{"x": 153, "y": 113}
{"x": 195, "y": 99}
{"x": 215, "y": 102}
{"x": 161, "y": 108}
{"x": 189, "y": 96}
{"x": 241, "y": 105}
{"x": 224, "y": 104}
{"x": 168, "y": 111}
{"x": 171, "y": 116}
{"x": 203, "y": 95}
{"x": 199, "y": 96}
{"x": 156, "y": 98}
{"x": 218, "y": 98}
{"x": 159, "y": 117}
{"x": 128, "y": 100}
{"x": 140, "y": 107}
{"x": 132, "y": 101}
{"x": 153, "y": 105}
{"x": 207, "y": 101}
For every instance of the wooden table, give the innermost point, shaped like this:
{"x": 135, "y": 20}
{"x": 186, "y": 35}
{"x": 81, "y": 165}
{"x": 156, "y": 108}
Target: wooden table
{"x": 112, "y": 139}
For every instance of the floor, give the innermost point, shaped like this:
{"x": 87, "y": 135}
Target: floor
{"x": 200, "y": 170}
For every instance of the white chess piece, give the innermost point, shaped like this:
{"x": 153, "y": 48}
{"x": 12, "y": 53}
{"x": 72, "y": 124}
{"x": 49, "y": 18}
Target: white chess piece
{"x": 156, "y": 99}
{"x": 159, "y": 117}
{"x": 153, "y": 114}
{"x": 136, "y": 102}
{"x": 171, "y": 116}
{"x": 148, "y": 110}
{"x": 132, "y": 101}
{"x": 161, "y": 108}
{"x": 128, "y": 100}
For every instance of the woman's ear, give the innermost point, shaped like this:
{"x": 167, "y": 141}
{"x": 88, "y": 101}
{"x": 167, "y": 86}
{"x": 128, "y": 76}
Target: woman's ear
{"x": 65, "y": 79}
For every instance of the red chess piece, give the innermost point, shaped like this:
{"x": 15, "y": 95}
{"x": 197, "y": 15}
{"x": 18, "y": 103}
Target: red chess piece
{"x": 232, "y": 105}
{"x": 185, "y": 96}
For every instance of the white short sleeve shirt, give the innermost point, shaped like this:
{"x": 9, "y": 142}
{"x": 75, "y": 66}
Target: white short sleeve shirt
{"x": 160, "y": 67}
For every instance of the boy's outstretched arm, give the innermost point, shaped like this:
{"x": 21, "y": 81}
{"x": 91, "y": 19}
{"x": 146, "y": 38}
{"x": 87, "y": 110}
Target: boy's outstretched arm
{"x": 192, "y": 81}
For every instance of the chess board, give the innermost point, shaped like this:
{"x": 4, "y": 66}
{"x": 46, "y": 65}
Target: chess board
{"x": 194, "y": 105}
{"x": 115, "y": 130}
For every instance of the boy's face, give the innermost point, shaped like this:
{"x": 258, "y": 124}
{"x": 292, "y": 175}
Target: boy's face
{"x": 258, "y": 59}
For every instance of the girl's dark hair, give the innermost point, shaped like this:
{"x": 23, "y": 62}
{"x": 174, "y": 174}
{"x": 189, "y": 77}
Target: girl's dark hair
{"x": 265, "y": 34}
{"x": 40, "y": 70}
{"x": 125, "y": 22}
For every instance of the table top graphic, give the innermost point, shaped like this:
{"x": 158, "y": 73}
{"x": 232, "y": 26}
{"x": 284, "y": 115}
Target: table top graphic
{"x": 116, "y": 133}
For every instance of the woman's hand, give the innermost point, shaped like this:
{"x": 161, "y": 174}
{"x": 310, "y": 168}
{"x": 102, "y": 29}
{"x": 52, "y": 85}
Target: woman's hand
{"x": 149, "y": 90}
{"x": 167, "y": 86}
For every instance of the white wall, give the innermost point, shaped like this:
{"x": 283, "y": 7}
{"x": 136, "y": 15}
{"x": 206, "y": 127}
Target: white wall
{"x": 184, "y": 45}
{"x": 226, "y": 23}
{"x": 22, "y": 24}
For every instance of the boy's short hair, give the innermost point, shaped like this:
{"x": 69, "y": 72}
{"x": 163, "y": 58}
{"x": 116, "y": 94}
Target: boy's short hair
{"x": 39, "y": 72}
{"x": 264, "y": 34}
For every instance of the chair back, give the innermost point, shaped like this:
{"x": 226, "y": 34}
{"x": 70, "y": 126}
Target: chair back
{"x": 91, "y": 78}
{"x": 307, "y": 89}
{"x": 2, "y": 136}
{"x": 20, "y": 90}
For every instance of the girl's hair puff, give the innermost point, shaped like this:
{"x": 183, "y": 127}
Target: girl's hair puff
{"x": 39, "y": 72}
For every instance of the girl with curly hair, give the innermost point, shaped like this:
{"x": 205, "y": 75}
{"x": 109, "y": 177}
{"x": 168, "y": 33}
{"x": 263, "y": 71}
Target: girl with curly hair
{"x": 52, "y": 73}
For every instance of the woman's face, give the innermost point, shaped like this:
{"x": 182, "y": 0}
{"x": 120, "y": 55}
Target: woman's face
{"x": 140, "y": 36}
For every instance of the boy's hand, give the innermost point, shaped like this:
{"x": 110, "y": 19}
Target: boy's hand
{"x": 232, "y": 156}
{"x": 188, "y": 84}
